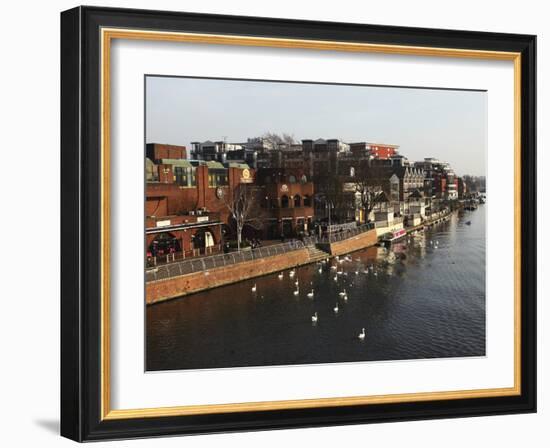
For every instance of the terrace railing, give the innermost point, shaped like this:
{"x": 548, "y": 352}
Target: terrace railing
{"x": 383, "y": 224}
{"x": 203, "y": 264}
{"x": 346, "y": 233}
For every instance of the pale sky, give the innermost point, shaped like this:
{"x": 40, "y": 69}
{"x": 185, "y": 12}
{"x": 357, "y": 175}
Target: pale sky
{"x": 450, "y": 125}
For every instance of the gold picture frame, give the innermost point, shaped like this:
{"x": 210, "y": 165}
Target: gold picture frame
{"x": 105, "y": 32}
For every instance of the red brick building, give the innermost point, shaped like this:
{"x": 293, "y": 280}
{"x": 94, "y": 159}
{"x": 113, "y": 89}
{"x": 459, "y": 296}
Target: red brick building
{"x": 382, "y": 151}
{"x": 364, "y": 150}
{"x": 185, "y": 206}
{"x": 287, "y": 202}
{"x": 439, "y": 185}
{"x": 158, "y": 151}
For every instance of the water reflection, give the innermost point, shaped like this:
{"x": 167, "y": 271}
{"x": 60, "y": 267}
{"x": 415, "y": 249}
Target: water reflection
{"x": 422, "y": 298}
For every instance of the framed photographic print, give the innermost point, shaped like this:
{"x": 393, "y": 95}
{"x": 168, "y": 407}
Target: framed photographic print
{"x": 272, "y": 223}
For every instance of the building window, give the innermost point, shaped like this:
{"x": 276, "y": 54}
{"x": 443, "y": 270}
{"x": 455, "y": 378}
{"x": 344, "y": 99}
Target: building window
{"x": 284, "y": 201}
{"x": 185, "y": 177}
{"x": 307, "y": 201}
{"x": 394, "y": 192}
{"x": 292, "y": 179}
{"x": 217, "y": 177}
{"x": 297, "y": 201}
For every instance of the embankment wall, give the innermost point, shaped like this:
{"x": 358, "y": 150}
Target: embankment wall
{"x": 160, "y": 290}
{"x": 357, "y": 242}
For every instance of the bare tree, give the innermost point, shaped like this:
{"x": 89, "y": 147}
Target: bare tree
{"x": 275, "y": 141}
{"x": 369, "y": 183}
{"x": 243, "y": 206}
{"x": 331, "y": 191}
{"x": 368, "y": 193}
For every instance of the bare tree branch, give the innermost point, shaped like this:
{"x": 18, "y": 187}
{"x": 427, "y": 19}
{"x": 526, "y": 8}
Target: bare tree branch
{"x": 368, "y": 186}
{"x": 276, "y": 141}
{"x": 243, "y": 208}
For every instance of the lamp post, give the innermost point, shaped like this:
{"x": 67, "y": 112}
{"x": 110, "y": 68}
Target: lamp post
{"x": 329, "y": 205}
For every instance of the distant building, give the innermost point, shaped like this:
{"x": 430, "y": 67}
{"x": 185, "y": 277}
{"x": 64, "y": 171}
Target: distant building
{"x": 322, "y": 156}
{"x": 461, "y": 188}
{"x": 224, "y": 152}
{"x": 334, "y": 167}
{"x": 287, "y": 202}
{"x": 440, "y": 177}
{"x": 157, "y": 151}
{"x": 373, "y": 150}
{"x": 382, "y": 151}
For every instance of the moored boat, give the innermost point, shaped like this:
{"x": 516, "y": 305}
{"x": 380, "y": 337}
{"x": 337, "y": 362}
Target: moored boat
{"x": 390, "y": 237}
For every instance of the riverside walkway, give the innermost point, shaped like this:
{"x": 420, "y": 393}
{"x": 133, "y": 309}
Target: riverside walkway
{"x": 199, "y": 264}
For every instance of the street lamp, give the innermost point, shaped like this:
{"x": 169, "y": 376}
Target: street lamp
{"x": 329, "y": 205}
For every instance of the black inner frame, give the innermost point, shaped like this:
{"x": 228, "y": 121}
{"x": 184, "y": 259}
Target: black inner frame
{"x": 81, "y": 223}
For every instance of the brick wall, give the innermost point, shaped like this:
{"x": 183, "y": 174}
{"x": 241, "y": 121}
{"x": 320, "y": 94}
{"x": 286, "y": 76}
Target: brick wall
{"x": 352, "y": 244}
{"x": 382, "y": 152}
{"x": 157, "y": 151}
{"x": 184, "y": 199}
{"x": 161, "y": 290}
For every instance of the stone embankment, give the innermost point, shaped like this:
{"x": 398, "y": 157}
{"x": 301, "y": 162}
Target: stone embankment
{"x": 201, "y": 280}
{"x": 181, "y": 285}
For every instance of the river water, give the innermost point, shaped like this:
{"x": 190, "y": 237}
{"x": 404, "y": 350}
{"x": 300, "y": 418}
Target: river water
{"x": 422, "y": 298}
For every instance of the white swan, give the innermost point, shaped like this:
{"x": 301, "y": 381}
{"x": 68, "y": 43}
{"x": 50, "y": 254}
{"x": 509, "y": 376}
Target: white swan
{"x": 296, "y": 283}
{"x": 296, "y": 292}
{"x": 314, "y": 317}
{"x": 280, "y": 276}
{"x": 310, "y": 294}
{"x": 336, "y": 308}
{"x": 342, "y": 293}
{"x": 362, "y": 334}
{"x": 254, "y": 288}
{"x": 320, "y": 270}
{"x": 291, "y": 273}
{"x": 335, "y": 278}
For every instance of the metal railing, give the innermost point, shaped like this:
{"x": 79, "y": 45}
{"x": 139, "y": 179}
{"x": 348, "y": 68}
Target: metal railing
{"x": 437, "y": 215}
{"x": 383, "y": 224}
{"x": 341, "y": 227}
{"x": 310, "y": 240}
{"x": 177, "y": 256}
{"x": 203, "y": 264}
{"x": 345, "y": 234}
